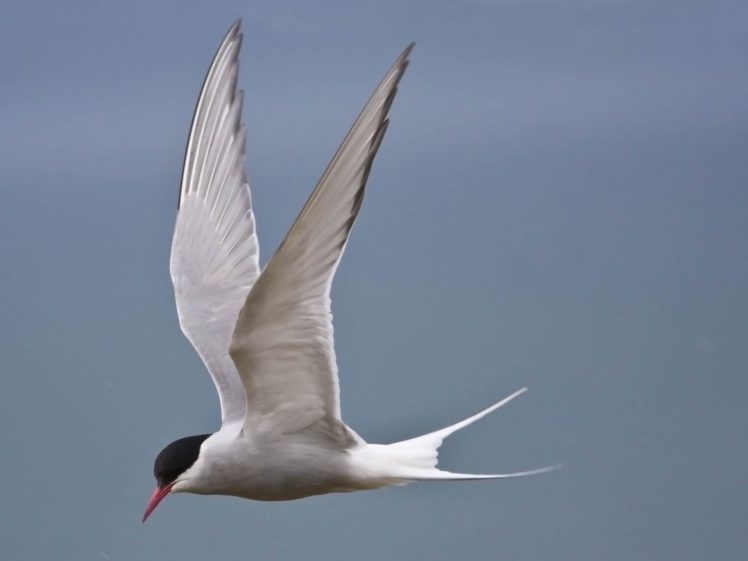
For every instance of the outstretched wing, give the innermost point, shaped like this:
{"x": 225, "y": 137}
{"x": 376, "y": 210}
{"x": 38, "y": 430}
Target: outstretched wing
{"x": 214, "y": 254}
{"x": 283, "y": 341}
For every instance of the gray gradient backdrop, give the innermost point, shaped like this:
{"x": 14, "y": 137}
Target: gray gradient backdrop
{"x": 561, "y": 202}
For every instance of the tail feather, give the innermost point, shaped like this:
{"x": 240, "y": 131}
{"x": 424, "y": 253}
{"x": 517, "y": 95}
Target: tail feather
{"x": 439, "y": 474}
{"x": 417, "y": 458}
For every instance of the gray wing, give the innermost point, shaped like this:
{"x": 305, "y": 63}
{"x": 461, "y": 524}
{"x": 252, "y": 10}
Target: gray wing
{"x": 283, "y": 341}
{"x": 214, "y": 254}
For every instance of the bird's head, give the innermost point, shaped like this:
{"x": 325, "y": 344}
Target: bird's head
{"x": 171, "y": 463}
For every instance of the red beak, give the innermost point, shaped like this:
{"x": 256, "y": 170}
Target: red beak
{"x": 158, "y": 495}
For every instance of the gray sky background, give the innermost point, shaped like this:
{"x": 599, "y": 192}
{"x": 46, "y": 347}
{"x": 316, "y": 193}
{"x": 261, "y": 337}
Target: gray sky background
{"x": 561, "y": 202}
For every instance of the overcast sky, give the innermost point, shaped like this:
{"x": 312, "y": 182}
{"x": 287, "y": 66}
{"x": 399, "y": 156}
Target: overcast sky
{"x": 561, "y": 201}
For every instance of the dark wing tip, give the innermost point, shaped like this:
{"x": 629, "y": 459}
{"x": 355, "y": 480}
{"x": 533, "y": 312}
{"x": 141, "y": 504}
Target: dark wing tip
{"x": 401, "y": 65}
{"x": 233, "y": 39}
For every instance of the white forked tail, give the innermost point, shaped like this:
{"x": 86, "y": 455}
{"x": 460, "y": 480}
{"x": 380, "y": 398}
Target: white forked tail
{"x": 416, "y": 458}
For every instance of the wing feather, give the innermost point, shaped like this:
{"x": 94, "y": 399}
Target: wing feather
{"x": 283, "y": 341}
{"x": 215, "y": 254}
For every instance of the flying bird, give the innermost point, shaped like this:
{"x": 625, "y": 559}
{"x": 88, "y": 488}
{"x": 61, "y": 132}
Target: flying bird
{"x": 265, "y": 335}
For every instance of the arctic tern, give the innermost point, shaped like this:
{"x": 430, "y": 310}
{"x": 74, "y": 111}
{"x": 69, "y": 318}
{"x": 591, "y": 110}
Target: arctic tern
{"x": 265, "y": 335}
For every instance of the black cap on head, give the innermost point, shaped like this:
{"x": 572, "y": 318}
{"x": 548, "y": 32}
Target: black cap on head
{"x": 177, "y": 458}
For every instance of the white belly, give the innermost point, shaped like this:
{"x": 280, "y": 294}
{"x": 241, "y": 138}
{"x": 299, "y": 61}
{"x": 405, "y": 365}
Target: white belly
{"x": 285, "y": 468}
